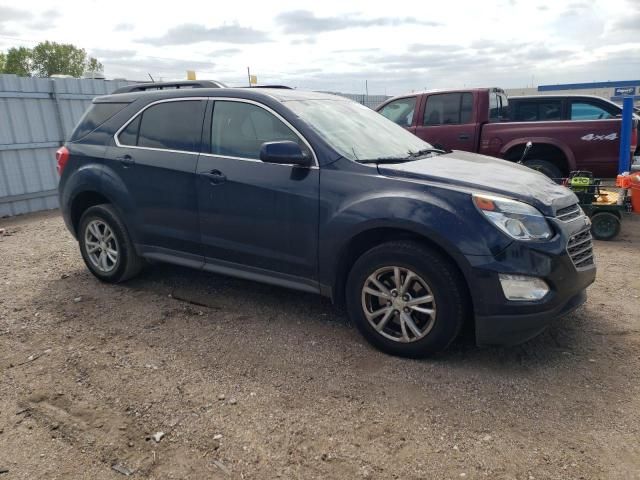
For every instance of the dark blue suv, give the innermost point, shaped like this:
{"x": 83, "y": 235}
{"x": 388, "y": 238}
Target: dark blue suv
{"x": 314, "y": 192}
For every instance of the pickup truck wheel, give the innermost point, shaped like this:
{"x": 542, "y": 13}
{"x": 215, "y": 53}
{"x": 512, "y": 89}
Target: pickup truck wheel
{"x": 105, "y": 245}
{"x": 406, "y": 299}
{"x": 544, "y": 166}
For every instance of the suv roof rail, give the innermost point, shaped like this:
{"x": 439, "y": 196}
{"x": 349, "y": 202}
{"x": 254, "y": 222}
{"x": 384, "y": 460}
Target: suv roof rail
{"x": 285, "y": 87}
{"x": 142, "y": 87}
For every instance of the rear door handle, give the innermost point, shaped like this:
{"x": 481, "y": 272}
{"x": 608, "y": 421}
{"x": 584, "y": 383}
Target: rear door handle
{"x": 463, "y": 136}
{"x": 126, "y": 160}
{"x": 215, "y": 177}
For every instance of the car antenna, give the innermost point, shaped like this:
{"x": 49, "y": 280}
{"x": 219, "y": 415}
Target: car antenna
{"x": 152, "y": 80}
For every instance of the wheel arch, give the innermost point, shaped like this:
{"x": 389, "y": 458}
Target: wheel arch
{"x": 548, "y": 149}
{"x": 364, "y": 240}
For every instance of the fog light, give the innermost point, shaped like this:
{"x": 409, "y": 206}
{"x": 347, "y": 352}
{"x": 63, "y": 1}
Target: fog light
{"x": 520, "y": 287}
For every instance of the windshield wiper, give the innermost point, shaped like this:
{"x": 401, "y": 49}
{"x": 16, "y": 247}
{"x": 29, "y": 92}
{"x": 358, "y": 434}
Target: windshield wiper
{"x": 412, "y": 156}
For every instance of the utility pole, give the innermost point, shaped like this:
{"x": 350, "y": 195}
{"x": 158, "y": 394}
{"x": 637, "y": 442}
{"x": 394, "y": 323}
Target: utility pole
{"x": 249, "y": 75}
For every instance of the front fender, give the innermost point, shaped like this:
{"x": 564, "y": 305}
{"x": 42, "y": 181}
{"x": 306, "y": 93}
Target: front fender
{"x": 443, "y": 217}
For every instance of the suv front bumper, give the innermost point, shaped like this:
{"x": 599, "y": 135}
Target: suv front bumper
{"x": 499, "y": 321}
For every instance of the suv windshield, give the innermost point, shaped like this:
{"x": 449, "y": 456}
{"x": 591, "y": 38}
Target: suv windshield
{"x": 357, "y": 132}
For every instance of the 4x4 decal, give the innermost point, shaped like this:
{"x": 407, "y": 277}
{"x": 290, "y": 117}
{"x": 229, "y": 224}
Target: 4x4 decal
{"x": 593, "y": 136}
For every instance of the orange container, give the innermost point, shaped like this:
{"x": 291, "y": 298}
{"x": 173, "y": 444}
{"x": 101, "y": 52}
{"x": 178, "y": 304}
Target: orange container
{"x": 635, "y": 192}
{"x": 623, "y": 181}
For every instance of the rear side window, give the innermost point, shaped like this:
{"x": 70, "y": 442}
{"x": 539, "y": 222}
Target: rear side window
{"x": 167, "y": 126}
{"x": 448, "y": 109}
{"x": 400, "y": 111}
{"x": 538, "y": 111}
{"x": 96, "y": 115}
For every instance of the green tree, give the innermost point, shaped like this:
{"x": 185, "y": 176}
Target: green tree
{"x": 18, "y": 61}
{"x": 3, "y": 58}
{"x": 51, "y": 58}
{"x": 93, "y": 65}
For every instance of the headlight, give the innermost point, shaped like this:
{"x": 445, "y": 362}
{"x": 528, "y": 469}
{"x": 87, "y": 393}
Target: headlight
{"x": 517, "y": 219}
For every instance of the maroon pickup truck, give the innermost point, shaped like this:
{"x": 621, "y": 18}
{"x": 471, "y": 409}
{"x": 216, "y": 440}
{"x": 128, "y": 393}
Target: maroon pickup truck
{"x": 477, "y": 120}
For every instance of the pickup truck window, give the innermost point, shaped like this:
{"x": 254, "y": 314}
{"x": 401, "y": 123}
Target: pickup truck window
{"x": 536, "y": 110}
{"x": 400, "y": 111}
{"x": 588, "y": 111}
{"x": 498, "y": 107}
{"x": 448, "y": 109}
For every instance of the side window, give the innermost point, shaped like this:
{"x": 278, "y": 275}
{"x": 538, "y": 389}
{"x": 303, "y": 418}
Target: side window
{"x": 498, "y": 107}
{"x": 525, "y": 112}
{"x": 129, "y": 136}
{"x": 448, "y": 109}
{"x": 239, "y": 129}
{"x": 466, "y": 108}
{"x": 400, "y": 111}
{"x": 168, "y": 126}
{"x": 588, "y": 111}
{"x": 538, "y": 111}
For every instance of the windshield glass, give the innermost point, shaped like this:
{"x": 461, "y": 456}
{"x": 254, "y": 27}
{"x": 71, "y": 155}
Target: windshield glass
{"x": 355, "y": 131}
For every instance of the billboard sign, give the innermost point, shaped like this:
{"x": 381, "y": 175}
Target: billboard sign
{"x": 620, "y": 91}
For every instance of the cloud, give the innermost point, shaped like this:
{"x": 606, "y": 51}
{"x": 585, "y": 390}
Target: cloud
{"x": 190, "y": 33}
{"x": 225, "y": 52}
{"x": 305, "y": 22}
{"x": 9, "y": 13}
{"x": 112, "y": 54}
{"x": 304, "y": 41}
{"x": 123, "y": 27}
{"x": 630, "y": 22}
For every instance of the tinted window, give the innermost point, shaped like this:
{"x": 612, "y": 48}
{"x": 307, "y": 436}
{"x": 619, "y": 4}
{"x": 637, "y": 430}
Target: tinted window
{"x": 400, "y": 111}
{"x": 588, "y": 111}
{"x": 169, "y": 125}
{"x": 239, "y": 130}
{"x": 97, "y": 114}
{"x": 129, "y": 136}
{"x": 533, "y": 111}
{"x": 448, "y": 109}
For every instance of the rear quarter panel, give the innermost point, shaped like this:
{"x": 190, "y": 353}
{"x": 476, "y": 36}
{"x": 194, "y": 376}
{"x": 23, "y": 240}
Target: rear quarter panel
{"x": 588, "y": 145}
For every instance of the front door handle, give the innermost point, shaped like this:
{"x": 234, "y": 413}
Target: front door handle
{"x": 215, "y": 177}
{"x": 126, "y": 160}
{"x": 463, "y": 136}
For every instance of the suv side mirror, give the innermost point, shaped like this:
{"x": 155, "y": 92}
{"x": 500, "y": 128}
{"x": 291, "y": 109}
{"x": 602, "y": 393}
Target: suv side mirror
{"x": 284, "y": 152}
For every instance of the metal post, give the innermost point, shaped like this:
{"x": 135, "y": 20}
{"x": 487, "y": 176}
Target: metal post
{"x": 56, "y": 102}
{"x": 624, "y": 159}
{"x": 249, "y": 75}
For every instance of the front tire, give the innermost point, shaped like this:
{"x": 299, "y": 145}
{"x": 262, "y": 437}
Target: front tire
{"x": 406, "y": 299}
{"x": 105, "y": 245}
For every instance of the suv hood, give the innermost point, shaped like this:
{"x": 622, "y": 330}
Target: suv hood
{"x": 479, "y": 173}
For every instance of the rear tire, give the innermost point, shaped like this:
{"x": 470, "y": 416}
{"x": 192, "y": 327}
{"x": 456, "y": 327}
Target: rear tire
{"x": 605, "y": 226}
{"x": 544, "y": 166}
{"x": 406, "y": 299}
{"x": 105, "y": 245}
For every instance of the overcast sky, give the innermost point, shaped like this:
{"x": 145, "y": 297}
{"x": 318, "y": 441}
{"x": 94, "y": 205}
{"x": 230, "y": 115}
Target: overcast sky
{"x": 337, "y": 45}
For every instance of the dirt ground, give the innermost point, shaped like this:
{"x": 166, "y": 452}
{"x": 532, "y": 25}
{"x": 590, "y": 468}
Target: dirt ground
{"x": 249, "y": 381}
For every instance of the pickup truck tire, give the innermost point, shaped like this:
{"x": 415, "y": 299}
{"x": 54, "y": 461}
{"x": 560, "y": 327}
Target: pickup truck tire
{"x": 406, "y": 299}
{"x": 105, "y": 245}
{"x": 544, "y": 166}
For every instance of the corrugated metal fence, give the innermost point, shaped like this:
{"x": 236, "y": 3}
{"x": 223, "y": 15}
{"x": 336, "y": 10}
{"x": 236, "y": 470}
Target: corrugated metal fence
{"x": 36, "y": 115}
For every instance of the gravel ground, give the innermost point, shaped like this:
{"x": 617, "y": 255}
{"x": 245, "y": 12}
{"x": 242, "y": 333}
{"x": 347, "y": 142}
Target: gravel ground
{"x": 253, "y": 381}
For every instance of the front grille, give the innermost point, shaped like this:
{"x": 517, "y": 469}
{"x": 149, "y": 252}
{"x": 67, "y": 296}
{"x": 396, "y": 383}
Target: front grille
{"x": 569, "y": 213}
{"x": 580, "y": 249}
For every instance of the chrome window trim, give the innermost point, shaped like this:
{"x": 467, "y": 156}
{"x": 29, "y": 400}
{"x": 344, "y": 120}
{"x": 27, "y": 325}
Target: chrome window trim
{"x": 231, "y": 99}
